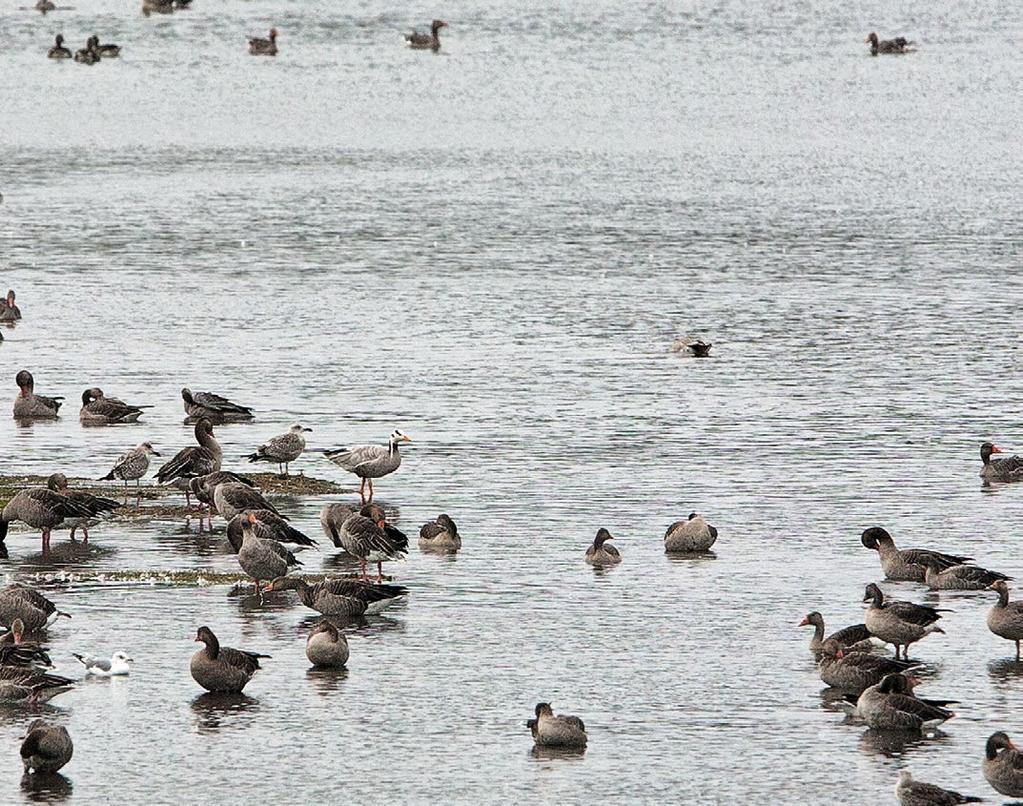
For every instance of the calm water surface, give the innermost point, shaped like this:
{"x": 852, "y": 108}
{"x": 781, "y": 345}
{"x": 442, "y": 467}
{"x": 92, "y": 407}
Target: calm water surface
{"x": 492, "y": 248}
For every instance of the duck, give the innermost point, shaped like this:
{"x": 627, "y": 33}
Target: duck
{"x": 232, "y": 498}
{"x": 367, "y": 536}
{"x": 20, "y": 603}
{"x": 897, "y": 45}
{"x": 9, "y": 311}
{"x": 88, "y": 54}
{"x": 854, "y": 671}
{"x": 440, "y": 535}
{"x": 430, "y": 41}
{"x": 1003, "y": 765}
{"x": 43, "y": 509}
{"x": 46, "y": 748}
{"x": 107, "y": 51}
{"x": 58, "y": 51}
{"x": 1004, "y": 470}
{"x": 899, "y": 623}
{"x": 117, "y": 666}
{"x": 264, "y": 47}
{"x": 556, "y": 731}
{"x": 958, "y": 577}
{"x": 326, "y": 646}
{"x": 30, "y": 406}
{"x": 851, "y": 639}
{"x": 198, "y": 460}
{"x": 906, "y": 565}
{"x": 222, "y": 669}
{"x": 97, "y": 409}
{"x": 891, "y": 705}
{"x": 132, "y": 466}
{"x": 95, "y": 504}
{"x": 1005, "y": 619}
{"x": 262, "y": 558}
{"x": 209, "y": 406}
{"x": 268, "y": 526}
{"x": 30, "y": 686}
{"x": 369, "y": 462}
{"x": 282, "y": 449}
{"x": 348, "y": 598}
{"x": 917, "y": 793}
{"x": 690, "y": 536}
{"x": 599, "y": 553}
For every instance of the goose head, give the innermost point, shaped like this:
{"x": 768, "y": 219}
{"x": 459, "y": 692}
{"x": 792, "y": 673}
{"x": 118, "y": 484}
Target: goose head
{"x": 873, "y": 594}
{"x": 814, "y": 618}
{"x": 986, "y": 450}
{"x": 204, "y": 635}
{"x": 26, "y": 383}
{"x": 998, "y": 741}
{"x": 602, "y": 535}
{"x": 873, "y": 537}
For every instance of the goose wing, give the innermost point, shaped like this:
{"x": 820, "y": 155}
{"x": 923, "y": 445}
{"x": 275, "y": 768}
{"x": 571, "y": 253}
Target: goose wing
{"x": 239, "y": 659}
{"x": 851, "y": 635}
{"x": 976, "y": 575}
{"x": 214, "y": 402}
{"x": 914, "y": 613}
{"x": 94, "y": 503}
{"x": 111, "y": 408}
{"x": 919, "y": 708}
{"x": 352, "y": 458}
{"x": 187, "y": 463}
{"x": 53, "y": 502}
{"x": 430, "y": 530}
{"x": 919, "y": 556}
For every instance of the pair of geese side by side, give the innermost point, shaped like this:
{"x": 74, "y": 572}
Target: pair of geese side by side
{"x": 46, "y": 508}
{"x": 691, "y": 536}
{"x": 938, "y": 570}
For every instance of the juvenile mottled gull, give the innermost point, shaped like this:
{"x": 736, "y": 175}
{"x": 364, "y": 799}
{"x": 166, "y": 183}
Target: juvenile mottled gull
{"x": 220, "y": 668}
{"x": 599, "y": 553}
{"x": 918, "y": 793}
{"x": 898, "y": 623}
{"x": 46, "y": 747}
{"x": 906, "y": 565}
{"x": 282, "y": 449}
{"x": 557, "y": 731}
{"x": 369, "y": 462}
{"x": 326, "y": 646}
{"x": 340, "y": 597}
{"x": 440, "y": 535}
{"x": 30, "y": 406}
{"x": 691, "y": 535}
{"x": 132, "y": 466}
{"x": 117, "y": 665}
{"x": 98, "y": 409}
{"x": 216, "y": 409}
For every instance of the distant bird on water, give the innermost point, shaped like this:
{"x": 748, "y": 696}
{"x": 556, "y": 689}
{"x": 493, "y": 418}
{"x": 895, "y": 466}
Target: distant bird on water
{"x": 9, "y": 311}
{"x": 264, "y": 47}
{"x": 556, "y": 731}
{"x": 692, "y": 535}
{"x": 599, "y": 553}
{"x": 58, "y": 51}
{"x": 107, "y": 51}
{"x": 430, "y": 41}
{"x": 157, "y": 7}
{"x": 30, "y": 406}
{"x": 695, "y": 347}
{"x": 45, "y": 5}
{"x": 117, "y": 665}
{"x": 887, "y": 46}
{"x": 439, "y": 535}
{"x": 282, "y": 449}
{"x": 369, "y": 462}
{"x": 218, "y": 410}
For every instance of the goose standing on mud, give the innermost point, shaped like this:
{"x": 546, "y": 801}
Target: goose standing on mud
{"x": 30, "y": 406}
{"x": 58, "y": 51}
{"x": 1003, "y": 765}
{"x": 262, "y": 558}
{"x": 264, "y": 47}
{"x": 326, "y": 646}
{"x": 132, "y": 466}
{"x": 95, "y": 504}
{"x": 851, "y": 639}
{"x": 346, "y": 598}
{"x": 440, "y": 535}
{"x": 430, "y": 41}
{"x": 958, "y": 577}
{"x": 283, "y": 449}
{"x": 1005, "y": 619}
{"x": 690, "y": 536}
{"x": 218, "y": 410}
{"x": 200, "y": 460}
{"x": 917, "y": 793}
{"x": 891, "y": 705}
{"x": 906, "y": 565}
{"x": 367, "y": 536}
{"x": 599, "y": 553}
{"x": 29, "y": 606}
{"x": 98, "y": 409}
{"x": 1004, "y": 470}
{"x": 9, "y": 311}
{"x": 898, "y": 623}
{"x": 231, "y": 499}
{"x": 222, "y": 669}
{"x": 40, "y": 508}
{"x": 46, "y": 748}
{"x": 556, "y": 731}
{"x": 369, "y": 462}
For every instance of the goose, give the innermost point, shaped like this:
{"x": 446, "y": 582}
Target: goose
{"x": 41, "y": 508}
{"x": 107, "y": 51}
{"x": 9, "y": 311}
{"x": 430, "y": 41}
{"x": 268, "y": 526}
{"x": 556, "y": 731}
{"x": 46, "y": 748}
{"x": 30, "y": 406}
{"x": 599, "y": 553}
{"x": 854, "y": 671}
{"x": 899, "y": 623}
{"x": 20, "y": 603}
{"x": 326, "y": 646}
{"x": 194, "y": 461}
{"x": 282, "y": 449}
{"x": 30, "y": 686}
{"x": 16, "y": 651}
{"x": 691, "y": 535}
{"x": 157, "y": 7}
{"x": 1010, "y": 469}
{"x": 203, "y": 487}
{"x": 262, "y": 558}
{"x": 264, "y": 47}
{"x": 906, "y": 565}
{"x": 96, "y": 505}
{"x": 369, "y": 462}
{"x": 232, "y": 498}
{"x": 851, "y": 639}
{"x": 88, "y": 54}
{"x": 891, "y": 705}
{"x": 58, "y": 51}
{"x": 897, "y": 45}
{"x": 349, "y": 598}
{"x": 1003, "y": 765}
{"x": 367, "y": 536}
{"x": 440, "y": 535}
{"x": 958, "y": 577}
{"x": 695, "y": 347}
{"x": 45, "y": 5}
{"x": 1005, "y": 619}
{"x": 98, "y": 409}
{"x": 917, "y": 793}
{"x": 332, "y": 516}
{"x": 117, "y": 666}
{"x": 220, "y": 668}
{"x": 212, "y": 407}
{"x": 132, "y": 466}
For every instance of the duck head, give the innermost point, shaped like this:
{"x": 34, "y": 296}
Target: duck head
{"x": 436, "y": 25}
{"x": 871, "y": 39}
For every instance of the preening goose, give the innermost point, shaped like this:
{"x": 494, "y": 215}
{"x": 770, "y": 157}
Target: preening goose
{"x": 906, "y": 565}
{"x": 440, "y": 535}
{"x": 43, "y": 509}
{"x": 209, "y": 406}
{"x": 97, "y": 506}
{"x": 20, "y": 603}
{"x": 367, "y": 536}
{"x": 690, "y": 536}
{"x": 550, "y": 730}
{"x": 349, "y": 598}
{"x": 1003, "y": 765}
{"x": 98, "y": 409}
{"x": 326, "y": 646}
{"x": 46, "y": 748}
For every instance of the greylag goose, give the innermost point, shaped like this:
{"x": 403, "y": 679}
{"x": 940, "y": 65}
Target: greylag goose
{"x": 326, "y": 646}
{"x": 906, "y": 565}
{"x": 283, "y": 449}
{"x": 851, "y": 639}
{"x": 16, "y": 651}
{"x": 1009, "y": 469}
{"x": 232, "y": 498}
{"x": 28, "y": 685}
{"x": 9, "y": 312}
{"x": 691, "y": 535}
{"x": 58, "y": 51}
{"x": 1003, "y": 765}
{"x": 958, "y": 577}
{"x": 268, "y": 526}
{"x": 898, "y": 623}
{"x": 349, "y": 598}
{"x": 98, "y": 409}
{"x": 203, "y": 487}
{"x": 132, "y": 466}
{"x": 332, "y": 517}
{"x": 262, "y": 558}
{"x": 220, "y": 668}
{"x": 891, "y": 46}
{"x": 43, "y": 509}
{"x": 157, "y": 7}
{"x": 854, "y": 671}
{"x": 599, "y": 553}
{"x": 216, "y": 409}
{"x": 891, "y": 705}
{"x": 430, "y": 41}
{"x": 264, "y": 47}
{"x": 367, "y": 536}
{"x": 107, "y": 51}
{"x": 95, "y": 504}
{"x": 46, "y": 747}
{"x": 369, "y": 462}
{"x": 117, "y": 666}
{"x": 198, "y": 460}
{"x": 918, "y": 793}
{"x": 30, "y": 406}
{"x": 29, "y": 606}
{"x": 1005, "y": 619}
{"x": 440, "y": 535}
{"x": 557, "y": 731}
{"x": 88, "y": 54}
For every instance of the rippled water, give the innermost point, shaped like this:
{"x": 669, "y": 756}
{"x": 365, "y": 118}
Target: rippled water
{"x": 492, "y": 248}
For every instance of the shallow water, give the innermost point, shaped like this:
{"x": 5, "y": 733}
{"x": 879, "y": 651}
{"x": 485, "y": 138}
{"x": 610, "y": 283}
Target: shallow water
{"x": 492, "y": 249}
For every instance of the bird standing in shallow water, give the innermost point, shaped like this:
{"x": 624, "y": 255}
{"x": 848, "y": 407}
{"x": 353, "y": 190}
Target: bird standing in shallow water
{"x": 282, "y": 449}
{"x": 918, "y": 793}
{"x": 369, "y": 462}
{"x": 430, "y": 41}
{"x": 220, "y": 668}
{"x": 46, "y": 747}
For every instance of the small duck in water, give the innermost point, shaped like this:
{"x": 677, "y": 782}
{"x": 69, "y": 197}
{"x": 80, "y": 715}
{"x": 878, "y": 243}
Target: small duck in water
{"x": 106, "y": 51}
{"x": 430, "y": 41}
{"x": 264, "y": 47}
{"x": 897, "y": 45}
{"x": 58, "y": 51}
{"x": 88, "y": 54}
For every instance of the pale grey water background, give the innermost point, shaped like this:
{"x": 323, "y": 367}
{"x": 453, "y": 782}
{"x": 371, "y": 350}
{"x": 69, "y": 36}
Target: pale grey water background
{"x": 492, "y": 248}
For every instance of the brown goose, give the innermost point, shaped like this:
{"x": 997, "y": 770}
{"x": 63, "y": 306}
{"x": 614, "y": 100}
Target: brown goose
{"x": 690, "y": 536}
{"x": 262, "y": 558}
{"x": 40, "y": 508}
{"x": 369, "y": 537}
{"x": 369, "y": 462}
{"x": 440, "y": 535}
{"x": 599, "y": 553}
{"x": 1010, "y": 469}
{"x": 326, "y": 646}
{"x": 202, "y": 488}
{"x": 349, "y": 598}
{"x": 854, "y": 671}
{"x": 906, "y": 565}
{"x": 887, "y": 46}
{"x": 30, "y": 406}
{"x": 332, "y": 517}
{"x": 282, "y": 450}
{"x": 1005, "y": 619}
{"x": 46, "y": 747}
{"x": 95, "y": 504}
{"x": 264, "y": 47}
{"x": 430, "y": 41}
{"x": 198, "y": 460}
{"x": 58, "y": 51}
{"x": 30, "y": 686}
{"x": 958, "y": 577}
{"x": 222, "y": 669}
{"x": 29, "y": 606}
{"x": 1003, "y": 765}
{"x": 216, "y": 409}
{"x": 268, "y": 526}
{"x": 851, "y": 639}
{"x": 918, "y": 793}
{"x": 899, "y": 623}
{"x": 9, "y": 311}
{"x": 891, "y": 705}
{"x": 16, "y": 651}
{"x": 98, "y": 409}
{"x": 557, "y": 731}
{"x": 232, "y": 498}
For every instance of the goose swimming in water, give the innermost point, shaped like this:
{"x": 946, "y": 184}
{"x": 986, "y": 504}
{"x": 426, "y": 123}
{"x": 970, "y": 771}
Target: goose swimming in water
{"x": 326, "y": 646}
{"x": 58, "y": 51}
{"x": 1003, "y": 765}
{"x": 369, "y": 462}
{"x": 888, "y": 46}
{"x": 96, "y": 505}
{"x": 367, "y": 536}
{"x": 9, "y": 311}
{"x": 958, "y": 577}
{"x": 45, "y": 5}
{"x": 1009, "y": 469}
{"x": 556, "y": 731}
{"x": 107, "y": 51}
{"x": 220, "y": 668}
{"x": 98, "y": 409}
{"x": 430, "y": 41}
{"x": 917, "y": 793}
{"x": 1005, "y": 619}
{"x": 218, "y": 410}
{"x": 198, "y": 460}
{"x": 851, "y": 639}
{"x": 891, "y": 705}
{"x": 906, "y": 565}
{"x": 282, "y": 449}
{"x": 88, "y": 54}
{"x": 157, "y": 7}
{"x": 29, "y": 606}
{"x": 899, "y": 623}
{"x": 440, "y": 535}
{"x": 43, "y": 509}
{"x": 264, "y": 47}
{"x": 30, "y": 406}
{"x": 348, "y": 598}
{"x": 132, "y": 466}
{"x": 690, "y": 536}
{"x": 599, "y": 553}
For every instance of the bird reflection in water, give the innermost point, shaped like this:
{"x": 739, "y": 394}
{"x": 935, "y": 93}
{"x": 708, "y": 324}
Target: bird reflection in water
{"x": 216, "y": 711}
{"x": 895, "y": 743}
{"x": 325, "y": 679}
{"x": 49, "y": 787}
{"x": 543, "y": 753}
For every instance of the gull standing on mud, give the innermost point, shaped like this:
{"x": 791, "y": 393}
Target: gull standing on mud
{"x": 132, "y": 466}
{"x": 282, "y": 449}
{"x": 369, "y": 462}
